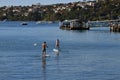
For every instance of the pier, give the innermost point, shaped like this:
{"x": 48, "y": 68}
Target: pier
{"x": 114, "y": 25}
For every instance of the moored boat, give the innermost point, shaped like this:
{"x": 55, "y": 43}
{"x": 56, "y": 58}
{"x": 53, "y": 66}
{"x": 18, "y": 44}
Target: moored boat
{"x": 24, "y": 23}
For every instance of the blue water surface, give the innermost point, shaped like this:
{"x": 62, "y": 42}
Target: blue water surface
{"x": 84, "y": 55}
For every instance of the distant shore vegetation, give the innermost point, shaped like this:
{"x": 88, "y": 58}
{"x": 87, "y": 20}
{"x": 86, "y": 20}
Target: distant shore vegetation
{"x": 85, "y": 11}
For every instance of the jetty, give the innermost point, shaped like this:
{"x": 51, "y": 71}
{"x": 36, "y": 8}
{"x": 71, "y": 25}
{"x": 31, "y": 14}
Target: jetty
{"x": 73, "y": 25}
{"x": 115, "y": 25}
{"x": 76, "y": 24}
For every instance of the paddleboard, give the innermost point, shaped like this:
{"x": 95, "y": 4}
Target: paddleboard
{"x": 47, "y": 55}
{"x": 55, "y": 50}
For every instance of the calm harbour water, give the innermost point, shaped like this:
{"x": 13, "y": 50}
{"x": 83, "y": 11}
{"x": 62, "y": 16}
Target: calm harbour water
{"x": 84, "y": 55}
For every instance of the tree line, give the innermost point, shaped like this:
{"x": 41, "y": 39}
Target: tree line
{"x": 102, "y": 10}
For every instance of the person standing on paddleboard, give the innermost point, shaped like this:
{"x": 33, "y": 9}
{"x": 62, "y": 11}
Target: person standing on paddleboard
{"x": 57, "y": 43}
{"x": 44, "y": 46}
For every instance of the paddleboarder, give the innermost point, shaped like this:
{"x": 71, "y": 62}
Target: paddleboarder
{"x": 57, "y": 43}
{"x": 44, "y": 46}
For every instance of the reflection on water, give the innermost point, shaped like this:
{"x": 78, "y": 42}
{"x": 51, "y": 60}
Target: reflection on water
{"x": 44, "y": 67}
{"x": 44, "y": 63}
{"x": 57, "y": 62}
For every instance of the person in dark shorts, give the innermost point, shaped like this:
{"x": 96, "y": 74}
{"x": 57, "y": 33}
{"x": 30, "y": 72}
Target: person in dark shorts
{"x": 44, "y": 46}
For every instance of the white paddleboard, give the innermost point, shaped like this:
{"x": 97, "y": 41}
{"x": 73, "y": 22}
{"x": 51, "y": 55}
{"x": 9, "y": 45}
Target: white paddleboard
{"x": 47, "y": 55}
{"x": 55, "y": 50}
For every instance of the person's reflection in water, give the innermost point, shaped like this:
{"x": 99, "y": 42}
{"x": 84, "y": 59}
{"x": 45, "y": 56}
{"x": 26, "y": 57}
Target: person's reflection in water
{"x": 43, "y": 62}
{"x": 57, "y": 63}
{"x": 44, "y": 67}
